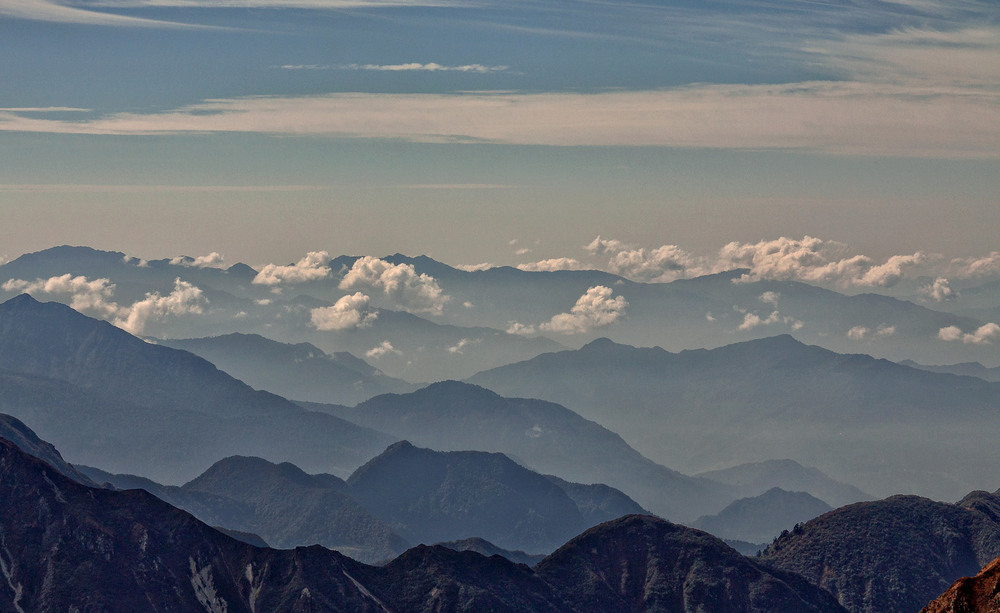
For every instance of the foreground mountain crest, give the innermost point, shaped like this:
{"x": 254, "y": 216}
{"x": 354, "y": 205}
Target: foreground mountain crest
{"x": 66, "y": 545}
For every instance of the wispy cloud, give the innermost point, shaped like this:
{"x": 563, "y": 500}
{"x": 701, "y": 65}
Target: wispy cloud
{"x": 65, "y": 12}
{"x": 842, "y": 118}
{"x": 416, "y": 66}
{"x": 44, "y": 10}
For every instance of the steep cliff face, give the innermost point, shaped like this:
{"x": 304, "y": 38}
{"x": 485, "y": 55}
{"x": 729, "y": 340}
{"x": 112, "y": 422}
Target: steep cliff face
{"x": 979, "y": 594}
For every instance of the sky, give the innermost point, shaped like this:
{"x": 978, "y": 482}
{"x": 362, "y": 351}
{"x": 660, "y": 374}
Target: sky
{"x": 502, "y": 132}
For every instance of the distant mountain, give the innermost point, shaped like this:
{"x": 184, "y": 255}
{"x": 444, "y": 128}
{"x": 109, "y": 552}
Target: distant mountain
{"x": 860, "y": 419}
{"x": 486, "y": 548}
{"x": 300, "y": 372}
{"x": 971, "y": 594}
{"x": 968, "y": 369}
{"x": 107, "y": 398}
{"x": 546, "y": 437}
{"x": 893, "y": 555}
{"x": 711, "y": 311}
{"x": 598, "y": 503}
{"x": 430, "y": 496}
{"x": 758, "y": 477}
{"x": 762, "y": 518}
{"x": 67, "y": 545}
{"x": 291, "y": 508}
{"x": 640, "y": 563}
{"x": 27, "y": 441}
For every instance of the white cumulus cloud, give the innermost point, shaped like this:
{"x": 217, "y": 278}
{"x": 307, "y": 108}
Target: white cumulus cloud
{"x": 658, "y": 265}
{"x": 312, "y": 267}
{"x": 459, "y": 347}
{"x": 418, "y": 293}
{"x": 594, "y": 309}
{"x": 475, "y": 267}
{"x": 812, "y": 259}
{"x": 983, "y": 335}
{"x": 520, "y": 329}
{"x": 89, "y": 296}
{"x": 383, "y": 348}
{"x": 978, "y": 267}
{"x": 212, "y": 260}
{"x": 940, "y": 290}
{"x": 552, "y": 265}
{"x": 348, "y": 312}
{"x": 183, "y": 300}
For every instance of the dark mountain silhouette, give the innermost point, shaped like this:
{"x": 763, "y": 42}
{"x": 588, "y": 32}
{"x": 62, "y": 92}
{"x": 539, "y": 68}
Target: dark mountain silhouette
{"x": 430, "y": 496}
{"x": 290, "y": 508}
{"x": 109, "y": 399}
{"x": 756, "y": 477}
{"x": 977, "y": 594}
{"x": 277, "y": 502}
{"x": 854, "y": 416}
{"x": 640, "y": 563}
{"x": 287, "y": 507}
{"x": 892, "y": 555}
{"x": 15, "y": 431}
{"x": 546, "y": 437}
{"x": 762, "y": 518}
{"x": 69, "y": 546}
{"x": 486, "y": 548}
{"x": 301, "y": 371}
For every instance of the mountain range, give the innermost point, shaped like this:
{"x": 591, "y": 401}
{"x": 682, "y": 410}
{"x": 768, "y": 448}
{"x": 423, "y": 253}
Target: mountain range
{"x": 107, "y": 398}
{"x": 480, "y": 319}
{"x": 762, "y": 518}
{"x": 301, "y": 371}
{"x": 67, "y": 545}
{"x": 542, "y": 435}
{"x": 859, "y": 419}
{"x": 449, "y": 496}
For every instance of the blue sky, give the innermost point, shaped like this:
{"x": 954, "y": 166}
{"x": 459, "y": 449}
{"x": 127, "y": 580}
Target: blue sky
{"x": 475, "y": 130}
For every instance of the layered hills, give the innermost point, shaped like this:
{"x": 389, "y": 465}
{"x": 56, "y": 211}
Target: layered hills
{"x": 857, "y": 418}
{"x": 545, "y": 436}
{"x": 760, "y": 519}
{"x": 404, "y": 496}
{"x": 107, "y": 398}
{"x": 66, "y": 544}
{"x": 301, "y": 371}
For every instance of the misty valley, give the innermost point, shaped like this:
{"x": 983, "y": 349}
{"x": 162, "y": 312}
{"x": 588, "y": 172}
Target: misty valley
{"x": 362, "y": 433}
